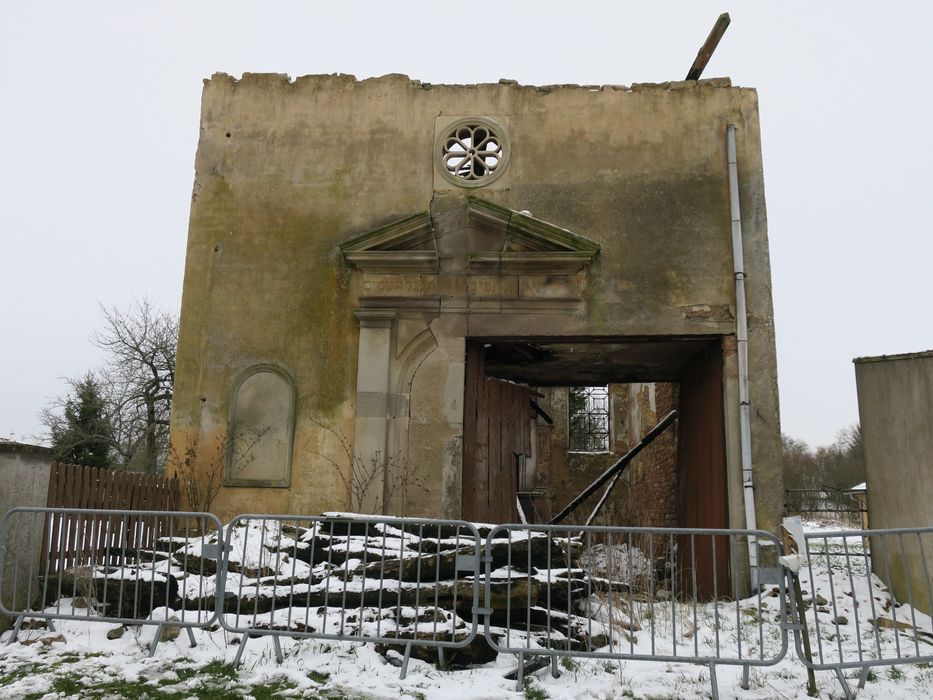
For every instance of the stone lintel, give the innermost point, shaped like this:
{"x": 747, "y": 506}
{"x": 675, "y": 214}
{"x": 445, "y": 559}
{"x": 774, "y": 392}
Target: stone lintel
{"x": 556, "y": 262}
{"x": 437, "y": 305}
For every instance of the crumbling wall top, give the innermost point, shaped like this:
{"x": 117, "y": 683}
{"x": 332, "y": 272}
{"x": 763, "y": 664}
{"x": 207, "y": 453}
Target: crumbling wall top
{"x": 284, "y": 80}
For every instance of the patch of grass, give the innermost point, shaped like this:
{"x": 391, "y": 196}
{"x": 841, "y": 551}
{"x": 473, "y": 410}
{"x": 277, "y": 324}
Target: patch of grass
{"x": 895, "y": 673}
{"x": 218, "y": 669}
{"x": 568, "y": 664}
{"x": 533, "y": 692}
{"x": 69, "y": 685}
{"x": 319, "y": 676}
{"x": 270, "y": 690}
{"x": 20, "y": 672}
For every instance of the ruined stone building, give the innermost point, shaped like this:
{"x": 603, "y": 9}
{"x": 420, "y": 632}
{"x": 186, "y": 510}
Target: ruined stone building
{"x": 445, "y": 300}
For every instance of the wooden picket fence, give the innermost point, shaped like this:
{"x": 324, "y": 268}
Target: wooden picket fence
{"x": 75, "y": 541}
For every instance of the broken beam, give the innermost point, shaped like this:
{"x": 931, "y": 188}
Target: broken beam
{"x": 706, "y": 51}
{"x": 617, "y": 467}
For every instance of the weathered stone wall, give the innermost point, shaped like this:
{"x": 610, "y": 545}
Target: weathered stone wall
{"x": 288, "y": 170}
{"x": 895, "y": 402}
{"x": 24, "y": 482}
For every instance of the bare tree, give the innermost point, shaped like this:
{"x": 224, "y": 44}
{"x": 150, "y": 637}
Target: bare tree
{"x": 134, "y": 385}
{"x": 139, "y": 377}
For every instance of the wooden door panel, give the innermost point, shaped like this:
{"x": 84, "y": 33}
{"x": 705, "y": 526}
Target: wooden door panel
{"x": 702, "y": 474}
{"x": 496, "y": 428}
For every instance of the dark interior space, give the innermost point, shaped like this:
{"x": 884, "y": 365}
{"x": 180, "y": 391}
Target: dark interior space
{"x": 504, "y": 377}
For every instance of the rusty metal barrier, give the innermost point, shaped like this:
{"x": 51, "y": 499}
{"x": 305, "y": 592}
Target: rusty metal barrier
{"x": 395, "y": 581}
{"x": 631, "y": 593}
{"x": 891, "y": 569}
{"x": 117, "y": 566}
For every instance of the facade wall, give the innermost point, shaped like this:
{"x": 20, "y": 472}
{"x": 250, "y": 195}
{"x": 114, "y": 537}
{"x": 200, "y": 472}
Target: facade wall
{"x": 895, "y": 398}
{"x": 286, "y": 171}
{"x": 24, "y": 481}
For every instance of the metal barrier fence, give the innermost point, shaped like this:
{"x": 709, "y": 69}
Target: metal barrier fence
{"x": 896, "y": 628}
{"x": 630, "y": 594}
{"x": 116, "y": 566}
{"x": 393, "y": 581}
{"x": 542, "y": 591}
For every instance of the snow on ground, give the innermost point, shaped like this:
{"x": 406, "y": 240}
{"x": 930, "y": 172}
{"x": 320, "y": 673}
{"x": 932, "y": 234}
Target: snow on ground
{"x": 79, "y": 660}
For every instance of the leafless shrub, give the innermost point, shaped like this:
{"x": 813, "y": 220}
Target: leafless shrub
{"x": 362, "y": 486}
{"x": 201, "y": 481}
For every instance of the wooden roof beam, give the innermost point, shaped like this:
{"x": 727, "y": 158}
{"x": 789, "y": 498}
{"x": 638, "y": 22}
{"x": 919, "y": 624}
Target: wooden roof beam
{"x": 706, "y": 51}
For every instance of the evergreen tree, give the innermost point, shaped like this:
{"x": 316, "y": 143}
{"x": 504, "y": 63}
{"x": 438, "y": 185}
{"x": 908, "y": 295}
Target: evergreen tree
{"x": 82, "y": 433}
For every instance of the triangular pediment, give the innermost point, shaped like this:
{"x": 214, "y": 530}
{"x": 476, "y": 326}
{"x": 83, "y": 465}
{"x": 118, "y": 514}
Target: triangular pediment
{"x": 519, "y": 243}
{"x": 529, "y": 244}
{"x": 404, "y": 246}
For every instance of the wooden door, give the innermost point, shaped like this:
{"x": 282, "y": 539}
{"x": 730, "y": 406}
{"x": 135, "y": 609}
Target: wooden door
{"x": 496, "y": 431}
{"x": 702, "y": 476}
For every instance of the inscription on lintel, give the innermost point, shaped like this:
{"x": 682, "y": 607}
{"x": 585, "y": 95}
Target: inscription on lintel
{"x": 472, "y": 286}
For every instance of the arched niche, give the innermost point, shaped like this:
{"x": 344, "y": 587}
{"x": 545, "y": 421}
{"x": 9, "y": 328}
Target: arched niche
{"x": 261, "y": 429}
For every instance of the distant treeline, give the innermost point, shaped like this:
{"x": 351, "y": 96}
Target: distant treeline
{"x": 840, "y": 465}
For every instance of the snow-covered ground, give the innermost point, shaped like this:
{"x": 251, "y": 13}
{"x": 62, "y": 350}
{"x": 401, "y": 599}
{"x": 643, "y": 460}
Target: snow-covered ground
{"x": 79, "y": 659}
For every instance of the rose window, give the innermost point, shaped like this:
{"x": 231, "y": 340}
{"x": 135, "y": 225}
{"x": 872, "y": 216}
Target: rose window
{"x": 472, "y": 152}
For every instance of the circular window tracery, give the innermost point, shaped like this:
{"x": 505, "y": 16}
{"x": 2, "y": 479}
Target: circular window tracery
{"x": 473, "y": 152}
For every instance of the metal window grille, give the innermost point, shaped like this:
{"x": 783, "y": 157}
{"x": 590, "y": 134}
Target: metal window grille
{"x": 589, "y": 419}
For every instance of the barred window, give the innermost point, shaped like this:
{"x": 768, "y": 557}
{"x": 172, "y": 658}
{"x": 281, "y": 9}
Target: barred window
{"x": 589, "y": 419}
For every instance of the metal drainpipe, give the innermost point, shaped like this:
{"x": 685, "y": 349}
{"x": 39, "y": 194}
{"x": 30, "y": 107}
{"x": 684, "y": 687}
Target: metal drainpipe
{"x": 741, "y": 334}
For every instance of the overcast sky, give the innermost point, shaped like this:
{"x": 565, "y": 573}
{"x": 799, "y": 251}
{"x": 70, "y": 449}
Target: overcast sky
{"x": 99, "y": 125}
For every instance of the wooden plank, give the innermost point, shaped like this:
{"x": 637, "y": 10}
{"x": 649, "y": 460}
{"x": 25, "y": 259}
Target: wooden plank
{"x": 481, "y": 483}
{"x": 87, "y": 522}
{"x": 74, "y": 475}
{"x": 50, "y": 539}
{"x": 504, "y": 456}
{"x": 709, "y": 46}
{"x": 514, "y": 444}
{"x": 507, "y": 455}
{"x": 494, "y": 447}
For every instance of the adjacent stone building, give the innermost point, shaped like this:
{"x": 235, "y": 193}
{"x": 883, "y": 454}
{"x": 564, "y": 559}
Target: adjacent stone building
{"x": 396, "y": 292}
{"x": 895, "y": 405}
{"x": 24, "y": 483}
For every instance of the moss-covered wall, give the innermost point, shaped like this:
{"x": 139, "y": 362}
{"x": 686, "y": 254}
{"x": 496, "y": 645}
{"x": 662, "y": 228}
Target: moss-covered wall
{"x": 288, "y": 170}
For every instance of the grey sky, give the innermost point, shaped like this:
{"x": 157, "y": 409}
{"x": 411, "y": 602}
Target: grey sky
{"x": 99, "y": 127}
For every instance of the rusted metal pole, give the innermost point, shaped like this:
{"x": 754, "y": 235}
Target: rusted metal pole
{"x": 617, "y": 467}
{"x": 706, "y": 51}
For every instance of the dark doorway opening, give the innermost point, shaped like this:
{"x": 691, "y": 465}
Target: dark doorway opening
{"x": 516, "y": 452}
